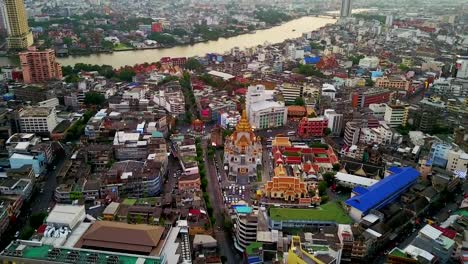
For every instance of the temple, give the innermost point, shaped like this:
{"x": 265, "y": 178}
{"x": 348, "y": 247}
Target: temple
{"x": 243, "y": 152}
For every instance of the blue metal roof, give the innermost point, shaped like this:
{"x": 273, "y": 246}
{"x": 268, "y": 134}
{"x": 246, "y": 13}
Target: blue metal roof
{"x": 311, "y": 60}
{"x": 383, "y": 192}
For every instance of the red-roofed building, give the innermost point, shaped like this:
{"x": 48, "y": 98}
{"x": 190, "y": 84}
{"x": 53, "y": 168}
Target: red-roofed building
{"x": 312, "y": 127}
{"x": 446, "y": 232}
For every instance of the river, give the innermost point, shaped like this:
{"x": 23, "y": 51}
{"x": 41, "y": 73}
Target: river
{"x": 288, "y": 30}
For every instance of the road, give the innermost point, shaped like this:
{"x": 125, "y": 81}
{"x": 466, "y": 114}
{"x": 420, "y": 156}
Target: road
{"x": 39, "y": 201}
{"x": 225, "y": 242}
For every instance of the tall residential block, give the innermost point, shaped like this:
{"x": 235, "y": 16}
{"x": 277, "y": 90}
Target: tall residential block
{"x": 20, "y": 36}
{"x": 4, "y": 26}
{"x": 345, "y": 8}
{"x": 39, "y": 65}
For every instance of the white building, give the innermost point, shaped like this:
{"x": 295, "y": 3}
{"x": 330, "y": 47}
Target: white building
{"x": 335, "y": 121}
{"x": 457, "y": 161}
{"x": 369, "y": 62}
{"x": 263, "y": 112}
{"x": 64, "y": 215}
{"x": 37, "y": 119}
{"x": 245, "y": 229}
{"x": 462, "y": 67}
{"x": 396, "y": 115}
{"x": 53, "y": 102}
{"x": 350, "y": 180}
{"x": 328, "y": 90}
{"x": 378, "y": 110}
{"x": 381, "y": 135}
{"x": 171, "y": 100}
{"x": 229, "y": 120}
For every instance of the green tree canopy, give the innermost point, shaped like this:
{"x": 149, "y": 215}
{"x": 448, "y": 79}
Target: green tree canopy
{"x": 193, "y": 64}
{"x": 299, "y": 101}
{"x": 94, "y": 98}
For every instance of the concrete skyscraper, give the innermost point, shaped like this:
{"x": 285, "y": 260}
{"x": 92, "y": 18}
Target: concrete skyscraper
{"x": 20, "y": 36}
{"x": 4, "y": 27}
{"x": 345, "y": 8}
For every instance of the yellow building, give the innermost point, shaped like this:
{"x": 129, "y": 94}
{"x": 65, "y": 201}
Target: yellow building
{"x": 20, "y": 36}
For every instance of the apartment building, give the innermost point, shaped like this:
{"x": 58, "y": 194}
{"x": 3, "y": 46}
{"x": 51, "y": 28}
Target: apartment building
{"x": 246, "y": 222}
{"x": 396, "y": 115}
{"x": 37, "y": 120}
{"x": 363, "y": 98}
{"x": 39, "y": 66}
{"x": 335, "y": 122}
{"x": 381, "y": 135}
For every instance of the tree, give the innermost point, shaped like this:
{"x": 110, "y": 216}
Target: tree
{"x": 322, "y": 187}
{"x": 94, "y": 98}
{"x": 336, "y": 167}
{"x": 403, "y": 67}
{"x": 72, "y": 78}
{"x": 329, "y": 178}
{"x": 37, "y": 220}
{"x": 327, "y": 131}
{"x": 299, "y": 101}
{"x": 163, "y": 38}
{"x": 138, "y": 219}
{"x": 324, "y": 199}
{"x": 126, "y": 74}
{"x": 369, "y": 82}
{"x": 67, "y": 70}
{"x": 355, "y": 59}
{"x": 193, "y": 64}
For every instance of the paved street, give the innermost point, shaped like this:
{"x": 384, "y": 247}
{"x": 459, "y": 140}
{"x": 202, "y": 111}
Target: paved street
{"x": 225, "y": 242}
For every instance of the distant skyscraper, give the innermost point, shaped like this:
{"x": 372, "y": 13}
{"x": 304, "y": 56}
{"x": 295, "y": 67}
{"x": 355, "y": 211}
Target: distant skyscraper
{"x": 389, "y": 20}
{"x": 20, "y": 36}
{"x": 4, "y": 27}
{"x": 39, "y": 66}
{"x": 345, "y": 8}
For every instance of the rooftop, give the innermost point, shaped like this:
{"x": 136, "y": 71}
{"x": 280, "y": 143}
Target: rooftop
{"x": 329, "y": 212}
{"x": 36, "y": 112}
{"x": 42, "y": 252}
{"x": 380, "y": 192}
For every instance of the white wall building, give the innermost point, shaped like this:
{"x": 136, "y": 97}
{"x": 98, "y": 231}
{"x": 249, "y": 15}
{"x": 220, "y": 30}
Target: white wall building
{"x": 457, "y": 161}
{"x": 396, "y": 115}
{"x": 369, "y": 62}
{"x": 263, "y": 112}
{"x": 335, "y": 122}
{"x": 37, "y": 119}
{"x": 381, "y": 135}
{"x": 378, "y": 110}
{"x": 462, "y": 67}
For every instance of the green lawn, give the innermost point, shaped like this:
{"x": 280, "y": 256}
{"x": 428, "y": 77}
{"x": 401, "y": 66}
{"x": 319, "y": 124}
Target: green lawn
{"x": 397, "y": 253}
{"x": 122, "y": 46}
{"x": 328, "y": 212}
{"x": 129, "y": 201}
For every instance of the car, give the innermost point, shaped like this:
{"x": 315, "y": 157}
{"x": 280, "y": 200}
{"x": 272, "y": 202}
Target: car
{"x": 49, "y": 209}
{"x": 17, "y": 234}
{"x": 42, "y": 190}
{"x": 269, "y": 131}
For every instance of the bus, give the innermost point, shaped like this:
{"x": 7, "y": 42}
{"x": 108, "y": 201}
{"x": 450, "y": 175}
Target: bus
{"x": 291, "y": 133}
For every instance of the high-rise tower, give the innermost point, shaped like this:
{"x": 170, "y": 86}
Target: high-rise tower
{"x": 4, "y": 27}
{"x": 345, "y": 8}
{"x": 20, "y": 36}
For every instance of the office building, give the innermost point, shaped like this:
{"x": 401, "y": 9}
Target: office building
{"x": 39, "y": 66}
{"x": 396, "y": 115}
{"x": 345, "y": 8}
{"x": 262, "y": 110}
{"x": 20, "y": 36}
{"x": 37, "y": 120}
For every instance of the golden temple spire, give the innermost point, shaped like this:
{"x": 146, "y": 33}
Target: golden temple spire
{"x": 244, "y": 124}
